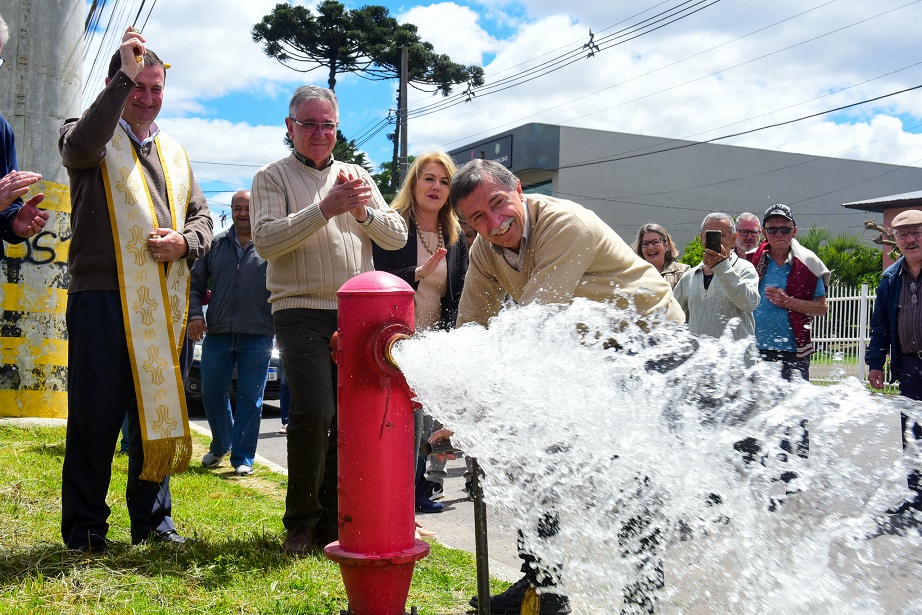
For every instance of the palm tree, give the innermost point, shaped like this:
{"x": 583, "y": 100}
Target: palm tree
{"x": 851, "y": 261}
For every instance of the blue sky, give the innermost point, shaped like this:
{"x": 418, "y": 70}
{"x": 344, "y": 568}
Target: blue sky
{"x": 726, "y": 68}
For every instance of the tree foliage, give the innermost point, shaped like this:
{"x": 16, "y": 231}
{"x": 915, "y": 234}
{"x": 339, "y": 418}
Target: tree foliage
{"x": 365, "y": 42}
{"x": 851, "y": 261}
{"x": 693, "y": 252}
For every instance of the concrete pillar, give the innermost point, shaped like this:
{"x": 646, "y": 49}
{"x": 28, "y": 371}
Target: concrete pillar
{"x": 40, "y": 86}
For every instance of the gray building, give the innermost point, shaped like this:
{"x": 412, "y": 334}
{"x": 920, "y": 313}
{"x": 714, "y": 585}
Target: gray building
{"x": 630, "y": 179}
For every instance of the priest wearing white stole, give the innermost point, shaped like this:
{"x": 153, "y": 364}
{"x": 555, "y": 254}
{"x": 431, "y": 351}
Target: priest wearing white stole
{"x": 138, "y": 219}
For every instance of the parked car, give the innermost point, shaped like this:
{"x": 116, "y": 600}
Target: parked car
{"x": 194, "y": 379}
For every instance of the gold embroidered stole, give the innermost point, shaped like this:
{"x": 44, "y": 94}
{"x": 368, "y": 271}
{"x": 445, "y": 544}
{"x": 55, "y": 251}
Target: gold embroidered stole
{"x": 154, "y": 298}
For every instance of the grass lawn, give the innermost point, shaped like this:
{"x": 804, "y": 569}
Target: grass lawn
{"x": 235, "y": 566}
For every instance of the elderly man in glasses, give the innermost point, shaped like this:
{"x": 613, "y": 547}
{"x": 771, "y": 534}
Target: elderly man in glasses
{"x": 748, "y": 230}
{"x": 314, "y": 219}
{"x": 896, "y": 326}
{"x": 792, "y": 285}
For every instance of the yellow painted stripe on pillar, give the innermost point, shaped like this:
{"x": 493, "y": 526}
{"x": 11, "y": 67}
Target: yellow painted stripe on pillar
{"x": 40, "y": 300}
{"x": 41, "y": 404}
{"x": 48, "y": 352}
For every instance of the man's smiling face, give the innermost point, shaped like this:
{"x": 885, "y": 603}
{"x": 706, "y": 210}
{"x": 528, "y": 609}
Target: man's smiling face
{"x": 496, "y": 212}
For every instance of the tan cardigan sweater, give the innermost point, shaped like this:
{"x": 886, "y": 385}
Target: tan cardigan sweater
{"x": 569, "y": 253}
{"x": 311, "y": 257}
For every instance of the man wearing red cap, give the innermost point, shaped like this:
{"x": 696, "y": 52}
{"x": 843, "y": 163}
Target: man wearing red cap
{"x": 896, "y": 326}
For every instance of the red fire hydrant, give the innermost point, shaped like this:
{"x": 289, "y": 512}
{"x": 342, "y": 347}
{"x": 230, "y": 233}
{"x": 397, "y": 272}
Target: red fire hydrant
{"x": 377, "y": 545}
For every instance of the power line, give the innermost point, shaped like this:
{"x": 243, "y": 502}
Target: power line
{"x": 575, "y": 55}
{"x": 775, "y": 170}
{"x": 711, "y": 74}
{"x": 651, "y": 24}
{"x": 738, "y": 134}
{"x": 568, "y": 45}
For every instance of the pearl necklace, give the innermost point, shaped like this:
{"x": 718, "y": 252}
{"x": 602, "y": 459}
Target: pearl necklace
{"x": 419, "y": 233}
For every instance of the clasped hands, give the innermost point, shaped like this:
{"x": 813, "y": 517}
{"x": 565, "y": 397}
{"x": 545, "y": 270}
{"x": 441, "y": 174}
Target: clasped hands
{"x": 350, "y": 194}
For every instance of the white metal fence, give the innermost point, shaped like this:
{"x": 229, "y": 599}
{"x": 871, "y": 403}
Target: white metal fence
{"x": 841, "y": 337}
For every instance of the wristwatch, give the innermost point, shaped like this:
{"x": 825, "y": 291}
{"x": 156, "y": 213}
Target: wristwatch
{"x": 371, "y": 216}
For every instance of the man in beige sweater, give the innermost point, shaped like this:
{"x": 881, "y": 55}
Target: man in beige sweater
{"x": 545, "y": 250}
{"x": 314, "y": 219}
{"x": 541, "y": 249}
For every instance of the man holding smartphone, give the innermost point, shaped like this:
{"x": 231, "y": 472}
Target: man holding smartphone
{"x": 720, "y": 288}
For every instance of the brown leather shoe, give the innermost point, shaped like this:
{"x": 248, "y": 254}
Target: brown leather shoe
{"x": 299, "y": 541}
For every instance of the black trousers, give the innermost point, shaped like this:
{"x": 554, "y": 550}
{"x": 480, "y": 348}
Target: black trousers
{"x": 303, "y": 338}
{"x": 100, "y": 393}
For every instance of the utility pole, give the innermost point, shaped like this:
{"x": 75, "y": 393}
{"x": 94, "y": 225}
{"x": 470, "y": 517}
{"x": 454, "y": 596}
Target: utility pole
{"x": 402, "y": 112}
{"x": 40, "y": 86}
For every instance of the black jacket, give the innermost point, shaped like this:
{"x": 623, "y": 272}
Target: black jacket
{"x": 239, "y": 298}
{"x": 402, "y": 263}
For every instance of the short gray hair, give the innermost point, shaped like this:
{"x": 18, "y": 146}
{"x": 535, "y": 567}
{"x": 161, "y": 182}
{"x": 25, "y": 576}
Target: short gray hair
{"x": 719, "y": 215}
{"x": 474, "y": 173}
{"x": 312, "y": 92}
{"x": 4, "y": 32}
{"x": 748, "y": 217}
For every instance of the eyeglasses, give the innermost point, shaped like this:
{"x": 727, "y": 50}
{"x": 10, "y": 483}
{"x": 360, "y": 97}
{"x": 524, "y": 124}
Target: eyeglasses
{"x": 901, "y": 235}
{"x": 774, "y": 230}
{"x": 655, "y": 243}
{"x": 913, "y": 297}
{"x": 743, "y": 231}
{"x": 310, "y": 126}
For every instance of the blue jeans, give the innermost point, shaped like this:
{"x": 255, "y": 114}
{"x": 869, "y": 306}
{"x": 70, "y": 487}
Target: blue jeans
{"x": 234, "y": 430}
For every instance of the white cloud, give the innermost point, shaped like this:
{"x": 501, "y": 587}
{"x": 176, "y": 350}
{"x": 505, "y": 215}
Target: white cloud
{"x": 739, "y": 85}
{"x": 639, "y": 86}
{"x": 212, "y": 53}
{"x": 453, "y": 30}
{"x": 239, "y": 149}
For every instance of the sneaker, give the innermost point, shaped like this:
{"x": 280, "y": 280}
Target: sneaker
{"x": 437, "y": 491}
{"x": 510, "y": 601}
{"x": 425, "y": 505}
{"x": 212, "y": 461}
{"x": 284, "y": 430}
{"x": 243, "y": 470}
{"x": 299, "y": 541}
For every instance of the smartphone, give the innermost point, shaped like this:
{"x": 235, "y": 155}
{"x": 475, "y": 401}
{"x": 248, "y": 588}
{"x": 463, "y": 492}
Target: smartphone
{"x": 712, "y": 240}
